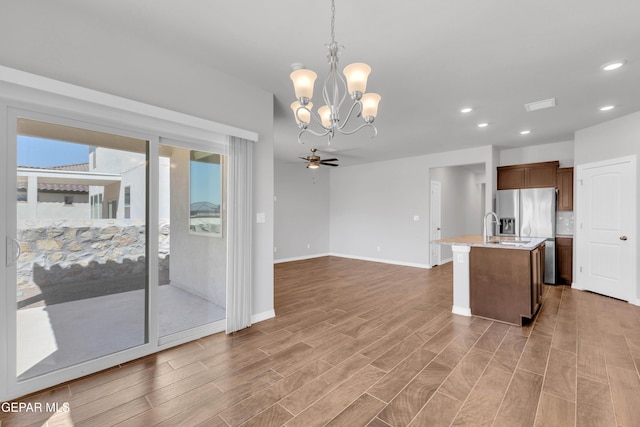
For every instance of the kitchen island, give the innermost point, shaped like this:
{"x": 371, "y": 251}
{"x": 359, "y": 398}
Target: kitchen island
{"x": 500, "y": 279}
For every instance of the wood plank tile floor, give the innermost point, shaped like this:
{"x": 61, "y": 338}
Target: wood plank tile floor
{"x": 358, "y": 343}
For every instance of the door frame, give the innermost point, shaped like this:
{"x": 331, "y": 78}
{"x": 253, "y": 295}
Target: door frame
{"x": 24, "y": 91}
{"x": 633, "y": 291}
{"x": 432, "y": 234}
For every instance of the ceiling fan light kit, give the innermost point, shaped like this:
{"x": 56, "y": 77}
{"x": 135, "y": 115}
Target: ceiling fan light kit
{"x": 334, "y": 93}
{"x": 314, "y": 161}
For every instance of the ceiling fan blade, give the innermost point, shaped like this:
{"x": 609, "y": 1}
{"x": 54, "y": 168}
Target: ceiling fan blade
{"x": 330, "y": 160}
{"x": 304, "y": 158}
{"x": 329, "y": 164}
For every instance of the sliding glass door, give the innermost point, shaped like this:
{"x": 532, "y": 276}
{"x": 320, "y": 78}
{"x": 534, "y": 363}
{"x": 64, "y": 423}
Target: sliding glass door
{"x": 116, "y": 246}
{"x": 193, "y": 239}
{"x": 79, "y": 245}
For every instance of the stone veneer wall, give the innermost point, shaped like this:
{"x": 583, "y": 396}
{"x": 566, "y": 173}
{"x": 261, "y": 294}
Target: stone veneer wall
{"x": 56, "y": 252}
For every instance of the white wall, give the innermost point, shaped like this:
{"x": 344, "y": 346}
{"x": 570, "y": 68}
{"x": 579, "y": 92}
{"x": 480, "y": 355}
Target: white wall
{"x": 615, "y": 138}
{"x": 301, "y": 211}
{"x": 65, "y": 44}
{"x": 461, "y": 210}
{"x": 562, "y": 151}
{"x": 373, "y": 205}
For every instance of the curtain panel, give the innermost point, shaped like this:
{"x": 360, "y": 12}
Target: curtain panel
{"x": 239, "y": 228}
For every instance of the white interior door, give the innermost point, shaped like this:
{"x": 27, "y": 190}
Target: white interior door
{"x": 436, "y": 221}
{"x": 606, "y": 231}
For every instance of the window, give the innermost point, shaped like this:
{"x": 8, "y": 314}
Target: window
{"x": 127, "y": 201}
{"x": 205, "y": 193}
{"x": 68, "y": 200}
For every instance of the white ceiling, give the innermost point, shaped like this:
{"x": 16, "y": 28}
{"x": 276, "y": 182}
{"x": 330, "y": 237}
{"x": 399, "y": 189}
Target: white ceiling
{"x": 429, "y": 59}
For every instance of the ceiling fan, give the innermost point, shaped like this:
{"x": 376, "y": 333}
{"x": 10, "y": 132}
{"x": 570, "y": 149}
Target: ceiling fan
{"x": 314, "y": 161}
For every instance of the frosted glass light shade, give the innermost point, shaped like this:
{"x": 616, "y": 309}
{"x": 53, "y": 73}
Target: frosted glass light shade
{"x": 370, "y": 103}
{"x": 303, "y": 115}
{"x": 303, "y": 81}
{"x": 357, "y": 75}
{"x": 325, "y": 115}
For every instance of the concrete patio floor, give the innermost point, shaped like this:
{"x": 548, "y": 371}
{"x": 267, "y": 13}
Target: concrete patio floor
{"x": 64, "y": 334}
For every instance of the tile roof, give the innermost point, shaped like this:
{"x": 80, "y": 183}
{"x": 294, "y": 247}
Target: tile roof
{"x": 63, "y": 188}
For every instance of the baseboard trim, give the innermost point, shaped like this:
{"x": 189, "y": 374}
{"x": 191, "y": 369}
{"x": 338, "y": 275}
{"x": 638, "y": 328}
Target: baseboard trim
{"x": 383, "y": 261}
{"x": 634, "y": 301}
{"x": 265, "y": 315}
{"x": 299, "y": 258}
{"x": 461, "y": 311}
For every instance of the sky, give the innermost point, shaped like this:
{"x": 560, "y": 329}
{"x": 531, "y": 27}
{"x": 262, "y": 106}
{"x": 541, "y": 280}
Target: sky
{"x": 46, "y": 153}
{"x": 207, "y": 177}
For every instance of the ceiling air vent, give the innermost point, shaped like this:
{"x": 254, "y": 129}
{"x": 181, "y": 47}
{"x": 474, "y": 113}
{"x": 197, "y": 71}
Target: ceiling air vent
{"x": 540, "y": 105}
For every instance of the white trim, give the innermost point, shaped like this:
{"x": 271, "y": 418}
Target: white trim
{"x": 634, "y": 301}
{"x": 461, "y": 311}
{"x": 300, "y": 258}
{"x": 265, "y": 315}
{"x": 444, "y": 261}
{"x": 574, "y": 285}
{"x": 384, "y": 261}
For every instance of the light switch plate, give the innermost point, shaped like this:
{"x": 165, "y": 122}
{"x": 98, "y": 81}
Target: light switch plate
{"x": 261, "y": 218}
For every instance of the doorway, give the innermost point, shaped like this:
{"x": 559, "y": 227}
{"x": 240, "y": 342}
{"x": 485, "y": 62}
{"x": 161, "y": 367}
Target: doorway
{"x": 606, "y": 228}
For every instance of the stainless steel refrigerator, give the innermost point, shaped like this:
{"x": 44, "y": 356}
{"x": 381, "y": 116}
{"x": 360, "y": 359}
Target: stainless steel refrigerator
{"x": 530, "y": 213}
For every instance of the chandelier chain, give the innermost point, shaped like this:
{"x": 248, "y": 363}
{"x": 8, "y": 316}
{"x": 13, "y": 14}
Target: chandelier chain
{"x": 333, "y": 21}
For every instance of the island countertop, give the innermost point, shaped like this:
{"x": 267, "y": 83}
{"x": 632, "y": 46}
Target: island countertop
{"x": 496, "y": 242}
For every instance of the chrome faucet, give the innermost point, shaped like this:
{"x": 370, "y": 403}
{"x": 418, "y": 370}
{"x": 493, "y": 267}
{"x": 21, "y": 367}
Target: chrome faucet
{"x": 486, "y": 229}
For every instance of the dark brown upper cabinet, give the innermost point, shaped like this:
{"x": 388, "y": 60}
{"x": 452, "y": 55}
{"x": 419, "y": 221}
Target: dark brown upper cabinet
{"x": 565, "y": 189}
{"x": 530, "y": 175}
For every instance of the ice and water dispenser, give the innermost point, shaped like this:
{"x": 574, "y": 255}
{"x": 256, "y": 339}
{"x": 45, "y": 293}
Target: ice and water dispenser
{"x": 507, "y": 226}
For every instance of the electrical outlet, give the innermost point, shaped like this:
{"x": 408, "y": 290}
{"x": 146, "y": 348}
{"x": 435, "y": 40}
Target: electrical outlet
{"x": 275, "y": 249}
{"x": 378, "y": 248}
{"x": 308, "y": 245}
{"x": 416, "y": 218}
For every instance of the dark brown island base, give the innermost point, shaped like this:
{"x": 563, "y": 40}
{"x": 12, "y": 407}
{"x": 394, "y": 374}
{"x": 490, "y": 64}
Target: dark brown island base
{"x": 506, "y": 284}
{"x": 505, "y": 276}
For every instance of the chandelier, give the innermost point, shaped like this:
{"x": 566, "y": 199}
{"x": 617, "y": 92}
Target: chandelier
{"x": 334, "y": 93}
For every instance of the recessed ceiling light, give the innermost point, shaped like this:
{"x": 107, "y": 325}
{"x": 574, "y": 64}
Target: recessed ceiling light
{"x": 613, "y": 65}
{"x": 525, "y": 132}
{"x": 607, "y": 107}
{"x": 466, "y": 110}
{"x": 483, "y": 125}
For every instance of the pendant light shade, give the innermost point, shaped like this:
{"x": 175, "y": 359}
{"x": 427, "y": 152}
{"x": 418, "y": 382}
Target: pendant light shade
{"x": 302, "y": 115}
{"x": 370, "y": 103}
{"x": 325, "y": 116}
{"x": 357, "y": 75}
{"x": 303, "y": 81}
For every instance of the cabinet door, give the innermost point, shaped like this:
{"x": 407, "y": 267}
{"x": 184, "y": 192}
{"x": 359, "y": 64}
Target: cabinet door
{"x": 537, "y": 276}
{"x": 541, "y": 176}
{"x": 564, "y": 255}
{"x": 510, "y": 178}
{"x": 565, "y": 189}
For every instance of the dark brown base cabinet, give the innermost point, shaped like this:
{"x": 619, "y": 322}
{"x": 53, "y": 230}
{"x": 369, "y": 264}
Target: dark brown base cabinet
{"x": 506, "y": 284}
{"x": 564, "y": 257}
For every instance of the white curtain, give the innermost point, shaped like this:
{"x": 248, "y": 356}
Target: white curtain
{"x": 239, "y": 215}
